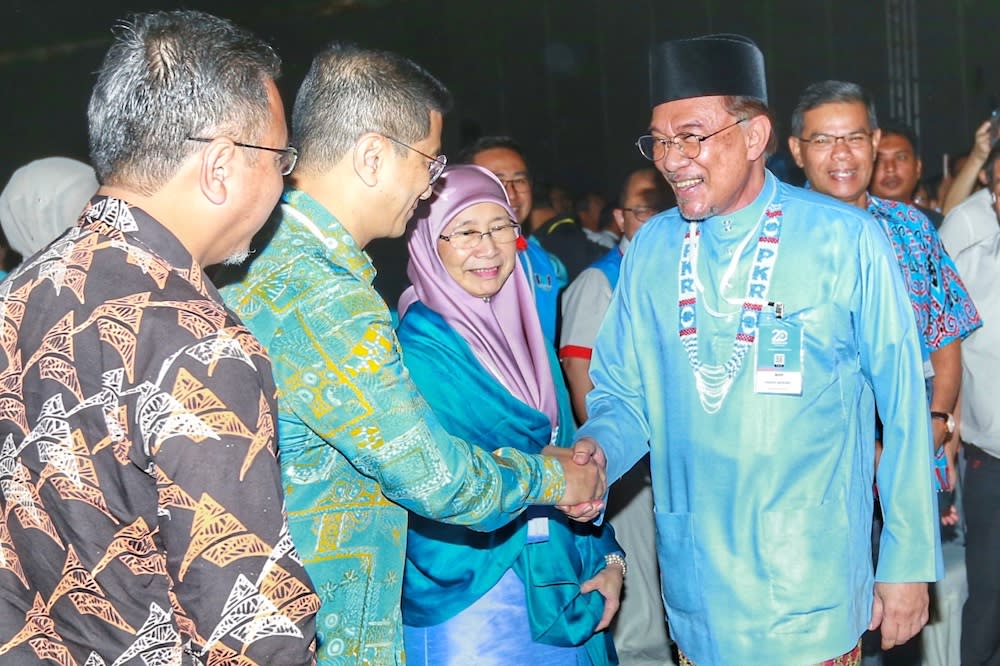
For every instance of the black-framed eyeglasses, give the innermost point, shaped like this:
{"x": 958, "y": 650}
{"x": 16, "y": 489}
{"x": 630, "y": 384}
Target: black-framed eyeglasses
{"x": 468, "y": 239}
{"x": 655, "y": 148}
{"x": 520, "y": 184}
{"x": 822, "y": 142}
{"x": 286, "y": 163}
{"x": 643, "y": 213}
{"x": 436, "y": 164}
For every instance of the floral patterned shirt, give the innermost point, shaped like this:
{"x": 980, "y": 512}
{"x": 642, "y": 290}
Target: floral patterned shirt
{"x": 941, "y": 303}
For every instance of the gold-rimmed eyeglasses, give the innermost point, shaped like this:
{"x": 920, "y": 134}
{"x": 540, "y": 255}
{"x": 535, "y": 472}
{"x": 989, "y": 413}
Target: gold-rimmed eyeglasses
{"x": 655, "y": 148}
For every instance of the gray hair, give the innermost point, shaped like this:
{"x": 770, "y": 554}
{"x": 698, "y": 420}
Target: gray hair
{"x": 350, "y": 91}
{"x": 831, "y": 92}
{"x": 169, "y": 76}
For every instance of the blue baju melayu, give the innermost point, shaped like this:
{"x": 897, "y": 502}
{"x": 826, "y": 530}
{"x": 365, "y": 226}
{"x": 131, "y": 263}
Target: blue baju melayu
{"x": 763, "y": 501}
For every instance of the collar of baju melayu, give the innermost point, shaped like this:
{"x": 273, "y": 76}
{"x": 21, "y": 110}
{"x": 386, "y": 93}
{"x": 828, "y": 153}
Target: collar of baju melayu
{"x": 321, "y": 229}
{"x": 737, "y": 224}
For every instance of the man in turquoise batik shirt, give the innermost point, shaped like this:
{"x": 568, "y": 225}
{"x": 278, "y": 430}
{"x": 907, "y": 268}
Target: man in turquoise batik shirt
{"x": 358, "y": 445}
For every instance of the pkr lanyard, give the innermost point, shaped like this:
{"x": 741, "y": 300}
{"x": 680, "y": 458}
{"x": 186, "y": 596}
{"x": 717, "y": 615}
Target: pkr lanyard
{"x": 715, "y": 381}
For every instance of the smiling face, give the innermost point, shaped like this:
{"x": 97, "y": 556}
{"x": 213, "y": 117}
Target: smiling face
{"x": 510, "y": 168}
{"x": 839, "y": 169}
{"x": 484, "y": 269}
{"x": 410, "y": 180}
{"x": 724, "y": 176}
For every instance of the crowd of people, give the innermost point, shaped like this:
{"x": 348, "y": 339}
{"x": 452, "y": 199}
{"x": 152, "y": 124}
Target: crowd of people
{"x": 718, "y": 420}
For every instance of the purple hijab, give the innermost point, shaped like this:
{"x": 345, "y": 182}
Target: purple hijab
{"x": 503, "y": 332}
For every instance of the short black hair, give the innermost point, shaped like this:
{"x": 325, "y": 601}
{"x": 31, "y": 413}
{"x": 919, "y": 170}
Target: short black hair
{"x": 900, "y": 128}
{"x": 468, "y": 153}
{"x": 831, "y": 92}
{"x": 350, "y": 91}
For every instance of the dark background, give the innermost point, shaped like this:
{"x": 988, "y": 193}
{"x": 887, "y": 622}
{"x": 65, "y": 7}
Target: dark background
{"x": 567, "y": 78}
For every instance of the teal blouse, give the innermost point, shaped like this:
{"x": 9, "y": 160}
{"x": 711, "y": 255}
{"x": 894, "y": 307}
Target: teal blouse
{"x": 449, "y": 567}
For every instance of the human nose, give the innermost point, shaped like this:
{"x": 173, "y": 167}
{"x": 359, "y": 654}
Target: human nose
{"x": 672, "y": 155}
{"x": 513, "y": 195}
{"x": 483, "y": 248}
{"x": 840, "y": 147}
{"x": 512, "y": 192}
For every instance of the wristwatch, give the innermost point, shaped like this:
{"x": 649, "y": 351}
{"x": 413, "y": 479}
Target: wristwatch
{"x": 949, "y": 420}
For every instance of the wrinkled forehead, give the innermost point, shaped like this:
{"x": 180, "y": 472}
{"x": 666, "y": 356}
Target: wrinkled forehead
{"x": 688, "y": 115}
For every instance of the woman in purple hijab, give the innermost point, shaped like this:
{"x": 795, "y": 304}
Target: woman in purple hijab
{"x": 543, "y": 588}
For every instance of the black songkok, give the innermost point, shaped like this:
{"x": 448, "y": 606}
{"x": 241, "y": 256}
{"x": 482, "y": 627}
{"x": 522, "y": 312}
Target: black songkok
{"x": 706, "y": 66}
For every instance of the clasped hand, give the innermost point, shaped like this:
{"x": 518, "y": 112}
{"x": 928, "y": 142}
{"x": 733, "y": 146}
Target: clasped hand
{"x": 585, "y": 467}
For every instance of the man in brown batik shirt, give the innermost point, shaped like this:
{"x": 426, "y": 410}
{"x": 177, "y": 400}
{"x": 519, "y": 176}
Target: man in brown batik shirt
{"x": 141, "y": 499}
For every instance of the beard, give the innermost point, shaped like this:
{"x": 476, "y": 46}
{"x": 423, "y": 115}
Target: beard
{"x": 237, "y": 258}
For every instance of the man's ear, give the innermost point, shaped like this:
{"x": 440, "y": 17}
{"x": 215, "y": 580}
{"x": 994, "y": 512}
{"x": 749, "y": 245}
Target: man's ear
{"x": 795, "y": 148}
{"x": 370, "y": 153}
{"x": 619, "y": 216}
{"x": 218, "y": 162}
{"x": 758, "y": 134}
{"x": 876, "y": 139}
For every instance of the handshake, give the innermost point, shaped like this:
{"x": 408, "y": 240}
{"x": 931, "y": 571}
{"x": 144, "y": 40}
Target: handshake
{"x": 585, "y": 467}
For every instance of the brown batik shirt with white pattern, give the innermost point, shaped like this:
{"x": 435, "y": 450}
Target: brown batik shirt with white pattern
{"x": 142, "y": 518}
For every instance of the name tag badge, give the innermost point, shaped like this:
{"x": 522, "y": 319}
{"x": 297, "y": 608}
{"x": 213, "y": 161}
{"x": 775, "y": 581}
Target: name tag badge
{"x": 779, "y": 357}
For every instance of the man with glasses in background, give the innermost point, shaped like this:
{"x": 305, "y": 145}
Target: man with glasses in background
{"x": 140, "y": 493}
{"x": 752, "y": 331}
{"x": 359, "y": 445}
{"x": 640, "y": 628}
{"x": 835, "y": 139}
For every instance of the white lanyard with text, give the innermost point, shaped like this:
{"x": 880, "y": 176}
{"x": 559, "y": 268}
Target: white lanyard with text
{"x": 714, "y": 381}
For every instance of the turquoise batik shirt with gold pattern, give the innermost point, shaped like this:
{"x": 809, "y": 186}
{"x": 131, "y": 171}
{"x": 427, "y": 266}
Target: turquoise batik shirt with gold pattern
{"x": 358, "y": 444}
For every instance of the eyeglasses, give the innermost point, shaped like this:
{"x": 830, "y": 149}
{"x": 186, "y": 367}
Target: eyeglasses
{"x": 519, "y": 184}
{"x": 470, "y": 239}
{"x": 436, "y": 165}
{"x": 655, "y": 148}
{"x": 289, "y": 156}
{"x": 824, "y": 142}
{"x": 643, "y": 213}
